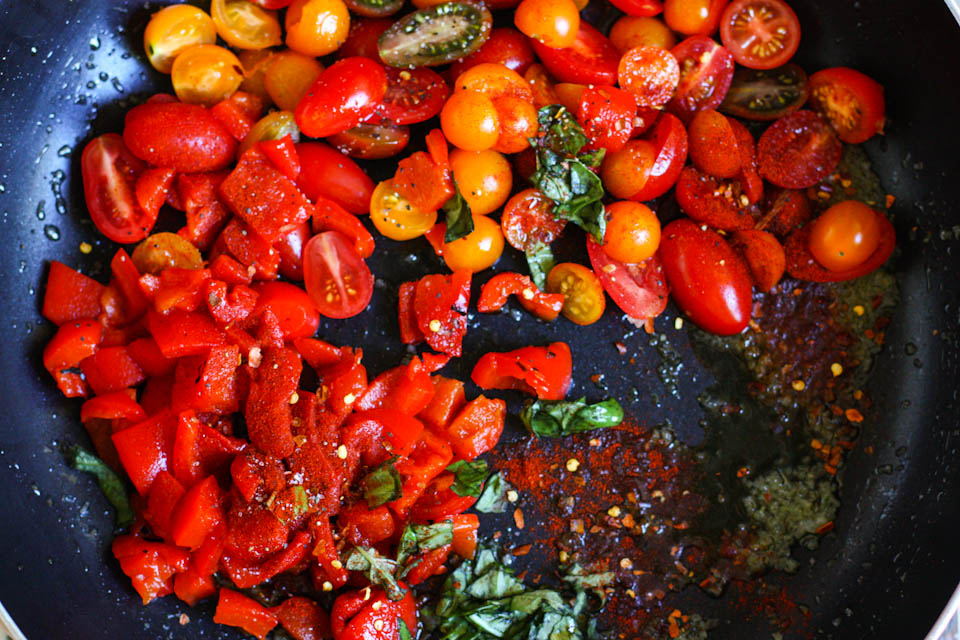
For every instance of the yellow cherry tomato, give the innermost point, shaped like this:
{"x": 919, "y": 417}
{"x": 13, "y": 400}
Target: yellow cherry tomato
{"x": 273, "y": 126}
{"x": 289, "y": 76}
{"x": 584, "y": 301}
{"x": 206, "y": 74}
{"x": 317, "y": 27}
{"x": 553, "y": 22}
{"x": 395, "y": 217}
{"x": 485, "y": 178}
{"x": 244, "y": 25}
{"x": 478, "y": 250}
{"x": 633, "y": 232}
{"x": 630, "y": 31}
{"x": 163, "y": 250}
{"x": 173, "y": 29}
{"x": 255, "y": 63}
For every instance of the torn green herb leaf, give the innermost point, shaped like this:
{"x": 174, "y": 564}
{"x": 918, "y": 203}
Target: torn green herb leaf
{"x": 552, "y": 419}
{"x": 110, "y": 483}
{"x": 468, "y": 477}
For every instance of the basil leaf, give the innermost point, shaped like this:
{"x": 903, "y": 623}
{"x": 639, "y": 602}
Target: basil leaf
{"x": 418, "y": 538}
{"x": 540, "y": 260}
{"x": 378, "y": 570}
{"x": 110, "y": 483}
{"x": 468, "y": 477}
{"x": 580, "y": 580}
{"x": 382, "y": 485}
{"x": 561, "y": 418}
{"x": 493, "y": 499}
{"x": 403, "y": 631}
{"x": 458, "y": 218}
{"x": 560, "y": 130}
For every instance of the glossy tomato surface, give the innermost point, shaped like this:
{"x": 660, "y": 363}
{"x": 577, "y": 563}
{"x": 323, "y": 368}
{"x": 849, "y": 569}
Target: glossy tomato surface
{"x": 337, "y": 279}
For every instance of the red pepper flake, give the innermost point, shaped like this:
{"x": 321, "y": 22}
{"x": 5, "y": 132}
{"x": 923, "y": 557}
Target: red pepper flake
{"x": 518, "y": 517}
{"x": 621, "y": 348}
{"x": 824, "y": 528}
{"x": 742, "y": 471}
{"x": 853, "y": 416}
{"x": 889, "y": 200}
{"x": 523, "y": 550}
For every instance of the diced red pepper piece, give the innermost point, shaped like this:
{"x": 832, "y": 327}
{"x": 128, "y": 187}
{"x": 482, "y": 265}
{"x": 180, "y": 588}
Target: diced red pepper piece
{"x": 422, "y": 182}
{"x": 155, "y": 396}
{"x": 126, "y": 278}
{"x": 439, "y": 502}
{"x": 197, "y": 514}
{"x": 211, "y": 384}
{"x": 181, "y": 333}
{"x": 268, "y": 405}
{"x": 145, "y": 449}
{"x": 428, "y": 564}
{"x": 250, "y": 249}
{"x": 362, "y": 526}
{"x": 149, "y": 565}
{"x": 229, "y": 270}
{"x": 497, "y": 289}
{"x": 325, "y": 551}
{"x": 330, "y": 216}
{"x": 152, "y": 187}
{"x": 477, "y": 427}
{"x": 303, "y": 619}
{"x": 435, "y": 236}
{"x": 148, "y": 356}
{"x": 180, "y": 289}
{"x": 111, "y": 369}
{"x": 165, "y": 493}
{"x": 234, "y": 117}
{"x": 70, "y": 295}
{"x": 465, "y": 527}
{"x": 100, "y": 431}
{"x": 185, "y": 460}
{"x": 73, "y": 342}
{"x": 409, "y": 331}
{"x": 545, "y": 372}
{"x": 448, "y": 399}
{"x": 283, "y": 154}
{"x": 400, "y": 431}
{"x": 112, "y": 406}
{"x": 354, "y": 612}
{"x": 237, "y": 610}
{"x": 229, "y": 306}
{"x": 429, "y": 458}
{"x": 404, "y": 389}
{"x": 345, "y": 382}
{"x": 290, "y": 558}
{"x": 206, "y": 215}
{"x": 318, "y": 354}
{"x": 440, "y": 304}
{"x": 192, "y": 587}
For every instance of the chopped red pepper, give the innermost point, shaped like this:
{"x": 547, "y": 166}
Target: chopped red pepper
{"x": 440, "y": 304}
{"x": 497, "y": 289}
{"x": 70, "y": 295}
{"x": 237, "y": 610}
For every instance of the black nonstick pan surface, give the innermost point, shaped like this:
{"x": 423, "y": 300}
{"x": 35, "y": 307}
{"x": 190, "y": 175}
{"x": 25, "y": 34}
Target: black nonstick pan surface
{"x": 67, "y": 70}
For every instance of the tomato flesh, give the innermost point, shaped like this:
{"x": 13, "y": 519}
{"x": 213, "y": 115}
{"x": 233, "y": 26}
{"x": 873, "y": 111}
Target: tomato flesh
{"x": 706, "y": 70}
{"x": 851, "y": 101}
{"x": 640, "y": 290}
{"x": 761, "y": 34}
{"x": 109, "y": 172}
{"x": 337, "y": 279}
{"x": 798, "y": 150}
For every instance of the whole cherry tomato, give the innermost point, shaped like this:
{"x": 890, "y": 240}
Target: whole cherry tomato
{"x": 591, "y": 59}
{"x": 506, "y": 46}
{"x": 844, "y": 235}
{"x": 343, "y": 96}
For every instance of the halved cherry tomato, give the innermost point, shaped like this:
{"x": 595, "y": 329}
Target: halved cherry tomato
{"x": 764, "y": 255}
{"x": 109, "y": 172}
{"x": 708, "y": 280}
{"x": 761, "y": 34}
{"x": 633, "y": 232}
{"x": 254, "y": 62}
{"x": 244, "y": 25}
{"x": 584, "y": 301}
{"x": 640, "y": 290}
{"x": 436, "y": 35}
{"x": 607, "y": 115}
{"x": 541, "y": 85}
{"x": 626, "y": 171}
{"x": 802, "y": 265}
{"x": 553, "y": 23}
{"x": 693, "y": 17}
{"x": 851, "y": 101}
{"x": 343, "y": 96}
{"x": 370, "y": 615}
{"x": 374, "y": 8}
{"x": 639, "y": 8}
{"x": 518, "y": 123}
{"x": 591, "y": 59}
{"x": 669, "y": 138}
{"x": 706, "y": 70}
{"x": 395, "y": 217}
{"x": 327, "y": 173}
{"x": 720, "y": 204}
{"x": 289, "y": 76}
{"x": 337, "y": 279}
{"x": 413, "y": 95}
{"x": 629, "y": 32}
{"x": 651, "y": 74}
{"x": 505, "y": 46}
{"x": 527, "y": 220}
{"x": 276, "y": 125}
{"x": 484, "y": 178}
{"x": 205, "y": 74}
{"x": 713, "y": 144}
{"x": 798, "y": 150}
{"x": 845, "y": 235}
{"x": 363, "y": 38}
{"x": 317, "y": 27}
{"x": 766, "y": 94}
{"x": 478, "y": 250}
{"x": 371, "y": 141}
{"x": 173, "y": 29}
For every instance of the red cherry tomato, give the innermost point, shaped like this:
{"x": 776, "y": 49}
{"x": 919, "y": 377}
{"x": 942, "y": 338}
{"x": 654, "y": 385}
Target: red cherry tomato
{"x": 505, "y": 46}
{"x": 669, "y": 138}
{"x": 370, "y": 615}
{"x": 706, "y": 70}
{"x": 290, "y": 248}
{"x": 708, "y": 280}
{"x": 109, "y": 175}
{"x": 761, "y": 34}
{"x": 363, "y": 38}
{"x": 344, "y": 95}
{"x": 372, "y": 141}
{"x": 639, "y": 8}
{"x": 851, "y": 101}
{"x": 592, "y": 59}
{"x": 527, "y": 220}
{"x": 693, "y": 17}
{"x": 714, "y": 202}
{"x": 327, "y": 173}
{"x": 607, "y": 115}
{"x": 798, "y": 150}
{"x": 640, "y": 290}
{"x": 713, "y": 144}
{"x": 337, "y": 279}
{"x": 185, "y": 137}
{"x": 292, "y": 307}
{"x": 413, "y": 95}
{"x": 802, "y": 265}
{"x": 651, "y": 74}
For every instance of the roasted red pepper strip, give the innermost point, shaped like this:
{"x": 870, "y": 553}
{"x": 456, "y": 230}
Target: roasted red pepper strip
{"x": 70, "y": 295}
{"x": 424, "y": 178}
{"x": 409, "y": 331}
{"x": 237, "y": 610}
{"x": 497, "y": 289}
{"x": 268, "y": 405}
{"x": 541, "y": 371}
{"x": 477, "y": 427}
{"x": 72, "y": 343}
{"x": 283, "y": 154}
{"x": 440, "y": 304}
{"x": 329, "y": 216}
{"x": 303, "y": 619}
{"x": 149, "y": 565}
{"x": 370, "y": 614}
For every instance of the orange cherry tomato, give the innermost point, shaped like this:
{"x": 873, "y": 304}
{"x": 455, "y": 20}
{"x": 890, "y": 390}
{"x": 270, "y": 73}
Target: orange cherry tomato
{"x": 469, "y": 121}
{"x": 484, "y": 178}
{"x": 173, "y": 29}
{"x": 244, "y": 25}
{"x": 569, "y": 95}
{"x": 630, "y": 31}
{"x": 625, "y": 172}
{"x": 844, "y": 235}
{"x": 317, "y": 27}
{"x": 518, "y": 123}
{"x": 541, "y": 85}
{"x": 289, "y": 76}
{"x": 162, "y": 250}
{"x": 478, "y": 250}
{"x": 694, "y": 17}
{"x": 494, "y": 80}
{"x": 552, "y": 22}
{"x": 633, "y": 232}
{"x": 273, "y": 126}
{"x": 254, "y": 63}
{"x": 584, "y": 301}
{"x": 206, "y": 74}
{"x": 395, "y": 217}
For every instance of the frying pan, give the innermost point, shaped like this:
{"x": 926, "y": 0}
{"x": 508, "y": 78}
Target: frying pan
{"x": 67, "y": 71}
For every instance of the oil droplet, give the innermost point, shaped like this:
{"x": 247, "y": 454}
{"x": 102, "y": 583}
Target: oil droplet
{"x": 95, "y": 42}
{"x": 52, "y": 232}
{"x": 117, "y": 85}
{"x": 22, "y": 267}
{"x": 65, "y": 151}
{"x": 103, "y": 76}
{"x": 41, "y": 214}
{"x": 3, "y": 188}
{"x": 40, "y": 155}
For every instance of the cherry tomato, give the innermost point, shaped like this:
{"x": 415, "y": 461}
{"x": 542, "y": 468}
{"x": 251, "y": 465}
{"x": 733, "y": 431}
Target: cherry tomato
{"x": 109, "y": 174}
{"x": 569, "y": 94}
{"x": 172, "y": 30}
{"x": 713, "y": 144}
{"x": 591, "y": 59}
{"x": 476, "y": 251}
{"x": 185, "y": 137}
{"x": 363, "y": 38}
{"x": 518, "y": 123}
{"x": 290, "y": 248}
{"x": 205, "y": 74}
{"x": 413, "y": 95}
{"x": 325, "y": 172}
{"x": 343, "y": 96}
{"x": 374, "y": 8}
{"x": 764, "y": 255}
{"x": 317, "y": 27}
{"x": 541, "y": 85}
{"x": 484, "y": 178}
{"x": 640, "y": 290}
{"x": 289, "y": 76}
{"x": 506, "y": 46}
{"x": 639, "y": 8}
{"x": 272, "y": 4}
{"x": 708, "y": 280}
{"x": 436, "y": 35}
{"x": 651, "y": 74}
{"x": 706, "y": 70}
{"x": 527, "y": 220}
{"x": 844, "y": 235}
{"x": 336, "y": 277}
{"x": 802, "y": 265}
{"x": 244, "y": 25}
{"x": 629, "y": 32}
{"x": 553, "y": 23}
{"x": 395, "y": 217}
{"x": 584, "y": 301}
{"x": 254, "y": 63}
{"x": 693, "y": 17}
{"x": 761, "y": 34}
{"x": 494, "y": 80}
{"x": 163, "y": 250}
{"x": 798, "y": 150}
{"x": 371, "y": 141}
{"x": 273, "y": 126}
{"x": 719, "y": 204}
{"x": 626, "y": 171}
{"x": 291, "y": 305}
{"x": 370, "y": 615}
{"x": 851, "y": 101}
{"x": 766, "y": 94}
{"x": 633, "y": 232}
{"x": 469, "y": 121}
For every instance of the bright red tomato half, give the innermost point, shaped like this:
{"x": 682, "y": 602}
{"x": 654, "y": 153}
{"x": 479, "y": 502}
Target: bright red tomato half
{"x": 343, "y": 96}
{"x": 592, "y": 59}
{"x": 413, "y": 95}
{"x": 109, "y": 174}
{"x": 761, "y": 34}
{"x": 706, "y": 70}
{"x": 640, "y": 290}
{"x": 337, "y": 279}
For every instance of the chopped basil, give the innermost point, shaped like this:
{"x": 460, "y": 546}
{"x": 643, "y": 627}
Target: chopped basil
{"x": 301, "y": 504}
{"x": 417, "y": 538}
{"x": 458, "y": 218}
{"x": 110, "y": 483}
{"x": 404, "y": 632}
{"x": 540, "y": 260}
{"x": 564, "y": 173}
{"x": 469, "y": 477}
{"x": 580, "y": 580}
{"x": 378, "y": 570}
{"x": 382, "y": 485}
{"x": 562, "y": 418}
{"x": 493, "y": 499}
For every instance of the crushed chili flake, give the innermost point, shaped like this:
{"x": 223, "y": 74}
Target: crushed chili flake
{"x": 518, "y": 517}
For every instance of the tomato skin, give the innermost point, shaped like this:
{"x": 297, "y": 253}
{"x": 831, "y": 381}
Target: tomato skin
{"x": 591, "y": 59}
{"x": 413, "y": 95}
{"x": 328, "y": 173}
{"x": 639, "y": 8}
{"x": 478, "y": 250}
{"x": 694, "y": 17}
{"x": 711, "y": 201}
{"x": 713, "y": 144}
{"x": 633, "y": 232}
{"x": 343, "y": 96}
{"x": 669, "y": 138}
{"x": 629, "y": 32}
{"x": 706, "y": 71}
{"x": 363, "y": 615}
{"x": 851, "y": 101}
{"x": 470, "y": 121}
{"x": 527, "y": 220}
{"x": 607, "y": 115}
{"x": 185, "y": 137}
{"x": 505, "y": 46}
{"x": 708, "y": 280}
{"x": 316, "y": 27}
{"x": 802, "y": 265}
{"x": 483, "y": 177}
{"x": 651, "y": 74}
{"x": 363, "y": 37}
{"x": 553, "y": 23}
{"x": 371, "y": 141}
{"x": 798, "y": 150}
{"x": 332, "y": 267}
{"x": 640, "y": 290}
{"x": 584, "y": 302}
{"x": 764, "y": 255}
{"x": 761, "y": 34}
{"x": 292, "y": 307}
{"x": 845, "y": 235}
{"x": 110, "y": 172}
